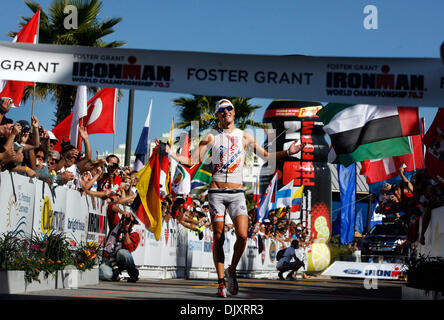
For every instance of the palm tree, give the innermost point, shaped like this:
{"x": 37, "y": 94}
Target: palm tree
{"x": 90, "y": 32}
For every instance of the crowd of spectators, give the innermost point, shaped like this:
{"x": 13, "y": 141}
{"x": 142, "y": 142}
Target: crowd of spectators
{"x": 278, "y": 227}
{"x": 29, "y": 149}
{"x": 407, "y": 201}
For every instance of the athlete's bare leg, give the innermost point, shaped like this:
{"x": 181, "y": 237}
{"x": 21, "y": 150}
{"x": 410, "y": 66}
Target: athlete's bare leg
{"x": 218, "y": 250}
{"x": 241, "y": 230}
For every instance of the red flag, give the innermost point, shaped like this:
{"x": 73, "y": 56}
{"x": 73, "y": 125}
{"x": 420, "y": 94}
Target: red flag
{"x": 100, "y": 117}
{"x": 384, "y": 169}
{"x": 434, "y": 142}
{"x": 185, "y": 148}
{"x": 28, "y": 34}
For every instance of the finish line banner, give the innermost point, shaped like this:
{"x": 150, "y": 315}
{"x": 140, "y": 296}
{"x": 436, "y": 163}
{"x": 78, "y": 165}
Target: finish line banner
{"x": 380, "y": 81}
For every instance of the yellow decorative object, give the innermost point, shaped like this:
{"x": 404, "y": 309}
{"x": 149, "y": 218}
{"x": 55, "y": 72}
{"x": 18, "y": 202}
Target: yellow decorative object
{"x": 318, "y": 257}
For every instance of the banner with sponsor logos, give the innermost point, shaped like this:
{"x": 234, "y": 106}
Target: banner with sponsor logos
{"x": 49, "y": 209}
{"x": 348, "y": 269}
{"x": 380, "y": 81}
{"x": 17, "y": 204}
{"x": 76, "y": 222}
{"x": 97, "y": 219}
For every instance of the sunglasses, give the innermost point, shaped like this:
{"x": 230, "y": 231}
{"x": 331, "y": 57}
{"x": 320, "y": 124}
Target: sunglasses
{"x": 222, "y": 109}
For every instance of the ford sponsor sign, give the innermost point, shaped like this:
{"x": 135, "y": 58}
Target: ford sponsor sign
{"x": 352, "y": 271}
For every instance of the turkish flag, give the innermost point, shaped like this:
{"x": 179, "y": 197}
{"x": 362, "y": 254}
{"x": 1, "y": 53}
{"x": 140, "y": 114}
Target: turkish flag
{"x": 434, "y": 141}
{"x": 100, "y": 118}
{"x": 14, "y": 89}
{"x": 387, "y": 168}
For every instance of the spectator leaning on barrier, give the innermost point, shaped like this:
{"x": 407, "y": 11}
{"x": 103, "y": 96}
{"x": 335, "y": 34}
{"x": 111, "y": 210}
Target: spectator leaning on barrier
{"x": 40, "y": 166}
{"x": 5, "y": 106}
{"x": 121, "y": 241}
{"x": 19, "y": 139}
{"x": 72, "y": 161}
{"x": 7, "y": 152}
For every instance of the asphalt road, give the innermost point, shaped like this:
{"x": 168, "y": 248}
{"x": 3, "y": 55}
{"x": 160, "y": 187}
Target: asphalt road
{"x": 318, "y": 297}
{"x": 316, "y": 288}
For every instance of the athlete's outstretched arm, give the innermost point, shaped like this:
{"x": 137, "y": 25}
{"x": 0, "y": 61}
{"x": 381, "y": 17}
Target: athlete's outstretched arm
{"x": 197, "y": 154}
{"x": 251, "y": 142}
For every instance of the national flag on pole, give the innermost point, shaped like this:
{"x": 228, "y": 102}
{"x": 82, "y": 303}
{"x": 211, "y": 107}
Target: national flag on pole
{"x": 171, "y": 137}
{"x": 434, "y": 142}
{"x": 383, "y": 169}
{"x": 143, "y": 146}
{"x": 79, "y": 111}
{"x": 147, "y": 206}
{"x": 256, "y": 193}
{"x": 28, "y": 34}
{"x": 100, "y": 118}
{"x": 347, "y": 187}
{"x": 185, "y": 151}
{"x": 187, "y": 178}
{"x": 364, "y": 132}
{"x": 284, "y": 196}
{"x": 375, "y": 218}
{"x": 296, "y": 199}
{"x": 200, "y": 176}
{"x": 181, "y": 183}
{"x": 266, "y": 201}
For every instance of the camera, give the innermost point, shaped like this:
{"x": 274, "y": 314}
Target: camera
{"x": 126, "y": 220}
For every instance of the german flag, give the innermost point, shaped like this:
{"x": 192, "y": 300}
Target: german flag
{"x": 148, "y": 206}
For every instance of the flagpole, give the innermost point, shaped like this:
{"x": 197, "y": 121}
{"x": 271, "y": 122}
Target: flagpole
{"x": 33, "y": 91}
{"x": 115, "y": 113}
{"x": 129, "y": 128}
{"x": 148, "y": 149}
{"x": 421, "y": 134}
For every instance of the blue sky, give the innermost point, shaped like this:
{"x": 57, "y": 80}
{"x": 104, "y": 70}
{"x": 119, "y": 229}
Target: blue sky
{"x": 318, "y": 28}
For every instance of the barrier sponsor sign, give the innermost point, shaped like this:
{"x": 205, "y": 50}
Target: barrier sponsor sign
{"x": 97, "y": 219}
{"x": 384, "y": 81}
{"x": 347, "y": 269}
{"x": 46, "y": 218}
{"x": 76, "y": 222}
{"x": 17, "y": 209}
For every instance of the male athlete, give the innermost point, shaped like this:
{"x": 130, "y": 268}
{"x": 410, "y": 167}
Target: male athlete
{"x": 226, "y": 192}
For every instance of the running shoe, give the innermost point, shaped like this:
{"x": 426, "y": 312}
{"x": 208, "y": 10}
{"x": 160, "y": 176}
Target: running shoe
{"x": 233, "y": 287}
{"x": 222, "y": 291}
{"x": 280, "y": 275}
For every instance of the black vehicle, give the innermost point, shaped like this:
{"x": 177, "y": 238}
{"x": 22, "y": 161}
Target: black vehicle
{"x": 386, "y": 239}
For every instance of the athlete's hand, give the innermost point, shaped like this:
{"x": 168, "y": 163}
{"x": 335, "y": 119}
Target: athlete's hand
{"x": 295, "y": 148}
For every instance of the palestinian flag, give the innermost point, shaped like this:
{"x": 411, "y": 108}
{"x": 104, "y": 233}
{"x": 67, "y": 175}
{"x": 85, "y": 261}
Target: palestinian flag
{"x": 364, "y": 132}
{"x": 147, "y": 206}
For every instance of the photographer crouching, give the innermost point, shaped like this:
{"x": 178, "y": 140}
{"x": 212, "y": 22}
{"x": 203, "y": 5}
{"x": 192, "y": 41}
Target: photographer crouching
{"x": 120, "y": 242}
